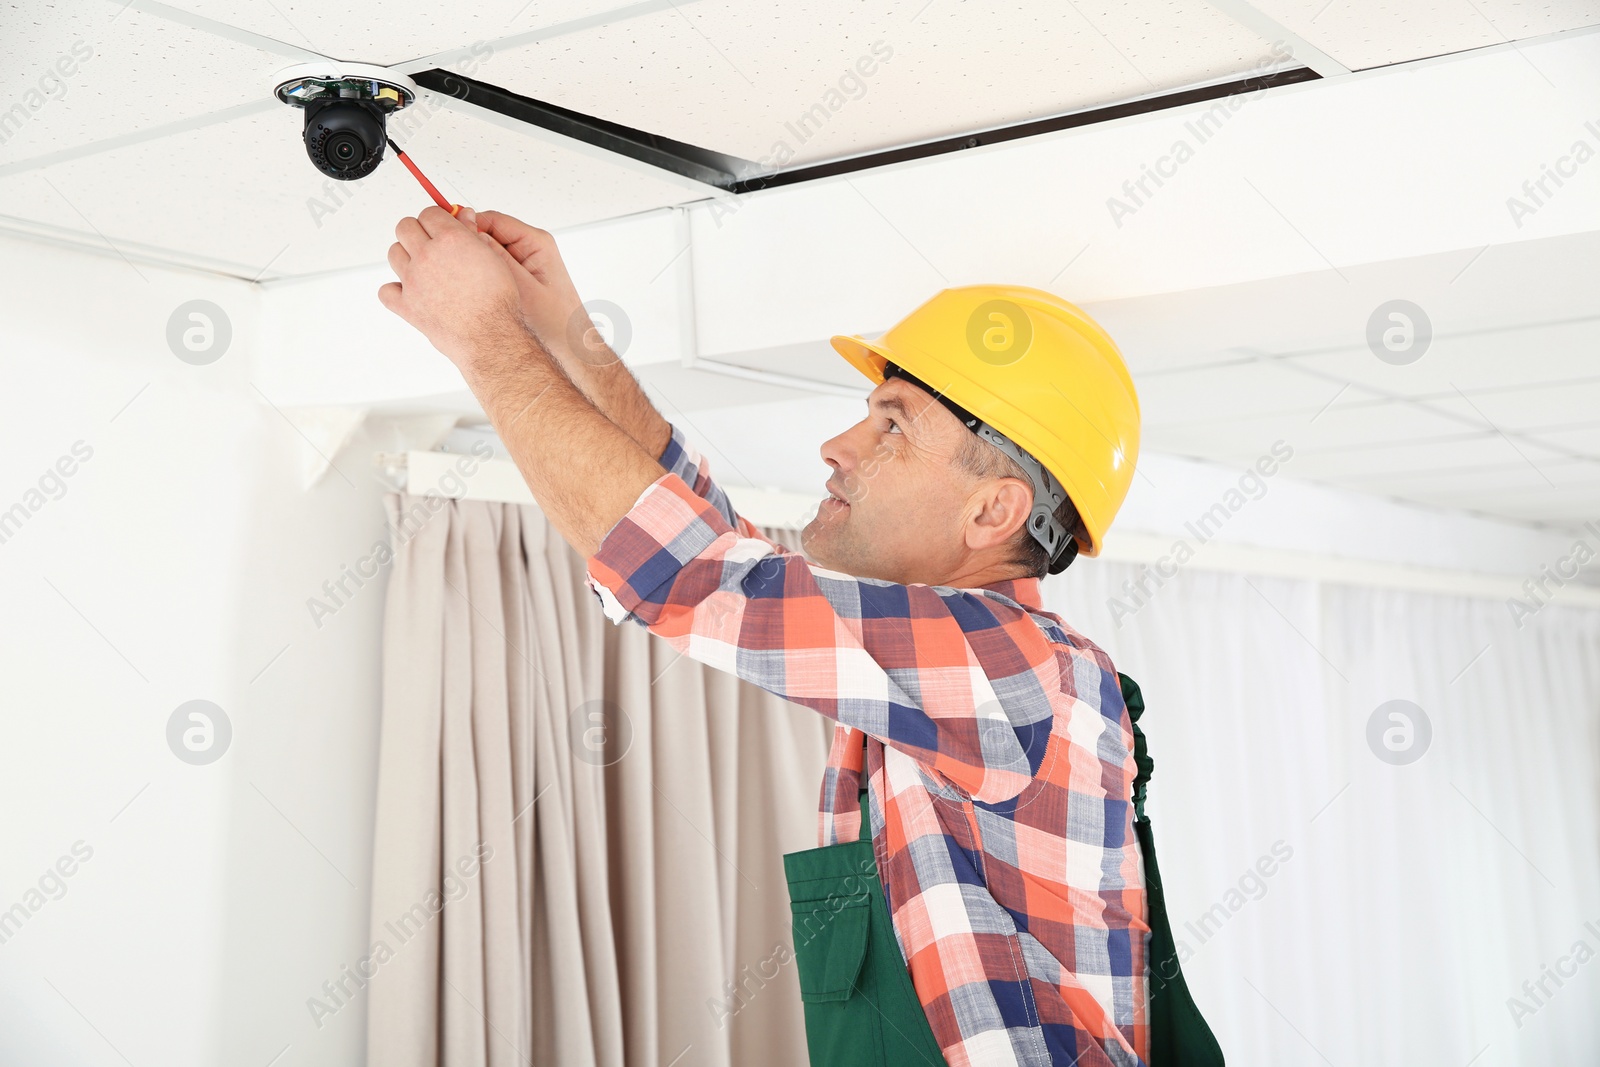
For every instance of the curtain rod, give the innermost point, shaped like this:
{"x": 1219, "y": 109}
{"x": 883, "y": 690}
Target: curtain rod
{"x": 499, "y": 480}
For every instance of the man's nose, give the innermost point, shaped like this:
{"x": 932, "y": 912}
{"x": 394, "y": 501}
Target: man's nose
{"x": 831, "y": 452}
{"x": 839, "y": 452}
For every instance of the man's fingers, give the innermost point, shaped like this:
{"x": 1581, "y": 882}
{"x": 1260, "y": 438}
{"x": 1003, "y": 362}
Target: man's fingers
{"x": 510, "y": 260}
{"x": 409, "y": 232}
{"x": 503, "y": 228}
{"x": 389, "y": 295}
{"x": 495, "y": 222}
{"x": 399, "y": 260}
{"x": 517, "y": 236}
{"x": 437, "y": 221}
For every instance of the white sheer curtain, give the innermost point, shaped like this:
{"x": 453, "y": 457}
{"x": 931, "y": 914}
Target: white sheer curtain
{"x": 1416, "y": 899}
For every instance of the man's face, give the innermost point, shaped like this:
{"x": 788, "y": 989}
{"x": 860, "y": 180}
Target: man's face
{"x": 905, "y": 502}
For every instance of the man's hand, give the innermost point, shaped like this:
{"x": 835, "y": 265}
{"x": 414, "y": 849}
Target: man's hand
{"x": 458, "y": 287}
{"x": 464, "y": 291}
{"x": 550, "y": 302}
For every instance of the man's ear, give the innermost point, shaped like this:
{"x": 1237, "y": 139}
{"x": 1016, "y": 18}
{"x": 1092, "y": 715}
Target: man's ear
{"x": 1002, "y": 508}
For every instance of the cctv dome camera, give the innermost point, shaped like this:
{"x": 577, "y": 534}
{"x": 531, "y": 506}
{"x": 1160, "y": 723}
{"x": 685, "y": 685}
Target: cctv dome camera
{"x": 345, "y": 105}
{"x": 344, "y": 138}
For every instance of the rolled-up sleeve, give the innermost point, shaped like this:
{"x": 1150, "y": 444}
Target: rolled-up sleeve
{"x": 963, "y": 683}
{"x": 688, "y": 463}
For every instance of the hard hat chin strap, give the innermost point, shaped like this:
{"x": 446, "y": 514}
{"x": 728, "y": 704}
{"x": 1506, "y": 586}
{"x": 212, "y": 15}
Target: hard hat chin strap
{"x": 1048, "y": 493}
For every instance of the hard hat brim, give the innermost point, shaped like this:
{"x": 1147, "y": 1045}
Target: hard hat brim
{"x": 863, "y": 355}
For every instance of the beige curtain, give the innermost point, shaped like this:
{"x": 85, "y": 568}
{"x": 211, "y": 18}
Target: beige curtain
{"x": 579, "y": 833}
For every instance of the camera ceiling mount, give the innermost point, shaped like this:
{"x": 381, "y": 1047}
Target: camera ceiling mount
{"x": 346, "y": 106}
{"x": 305, "y": 83}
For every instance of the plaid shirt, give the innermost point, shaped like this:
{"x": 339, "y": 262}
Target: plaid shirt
{"x": 998, "y": 752}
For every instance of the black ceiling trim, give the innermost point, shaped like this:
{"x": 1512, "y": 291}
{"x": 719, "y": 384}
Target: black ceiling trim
{"x": 1033, "y": 128}
{"x": 691, "y": 161}
{"x": 737, "y": 175}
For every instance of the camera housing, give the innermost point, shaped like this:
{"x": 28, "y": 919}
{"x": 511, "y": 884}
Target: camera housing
{"x": 345, "y": 138}
{"x": 346, "y": 107}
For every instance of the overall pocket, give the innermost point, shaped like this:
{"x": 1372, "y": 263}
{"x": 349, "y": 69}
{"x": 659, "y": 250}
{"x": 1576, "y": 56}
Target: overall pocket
{"x": 860, "y": 1006}
{"x": 844, "y": 1024}
{"x": 832, "y": 909}
{"x": 829, "y": 948}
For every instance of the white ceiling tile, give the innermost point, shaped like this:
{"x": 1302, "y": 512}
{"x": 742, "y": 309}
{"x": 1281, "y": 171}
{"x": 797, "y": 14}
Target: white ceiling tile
{"x": 1527, "y": 407}
{"x": 812, "y": 360}
{"x": 1355, "y": 463}
{"x": 1504, "y": 317}
{"x": 1343, "y": 425}
{"x": 1508, "y": 355}
{"x": 738, "y": 79}
{"x": 1580, "y": 438}
{"x": 684, "y": 389}
{"x": 75, "y": 73}
{"x": 1579, "y": 477}
{"x": 1372, "y": 33}
{"x": 1241, "y": 390}
{"x": 1514, "y": 474}
{"x": 406, "y": 29}
{"x": 1494, "y": 292}
{"x": 245, "y": 193}
{"x": 1544, "y": 506}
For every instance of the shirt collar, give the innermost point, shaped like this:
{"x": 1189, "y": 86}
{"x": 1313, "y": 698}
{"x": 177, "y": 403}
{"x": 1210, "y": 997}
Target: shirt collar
{"x": 1025, "y": 591}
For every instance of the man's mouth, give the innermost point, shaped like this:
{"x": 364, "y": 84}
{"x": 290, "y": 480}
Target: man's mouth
{"x": 834, "y": 499}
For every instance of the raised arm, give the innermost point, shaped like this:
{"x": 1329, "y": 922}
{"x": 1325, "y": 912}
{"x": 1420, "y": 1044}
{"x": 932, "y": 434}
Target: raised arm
{"x": 555, "y": 313}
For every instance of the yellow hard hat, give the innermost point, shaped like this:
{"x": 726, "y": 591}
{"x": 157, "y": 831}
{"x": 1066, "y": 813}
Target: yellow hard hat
{"x": 1037, "y": 370}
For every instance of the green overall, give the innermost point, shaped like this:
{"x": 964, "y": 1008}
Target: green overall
{"x": 860, "y": 1006}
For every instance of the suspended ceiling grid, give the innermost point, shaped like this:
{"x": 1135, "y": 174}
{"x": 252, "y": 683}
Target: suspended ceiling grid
{"x": 175, "y": 96}
{"x": 1369, "y": 34}
{"x": 160, "y": 140}
{"x": 807, "y": 82}
{"x": 1500, "y": 413}
{"x": 1499, "y": 416}
{"x": 217, "y": 178}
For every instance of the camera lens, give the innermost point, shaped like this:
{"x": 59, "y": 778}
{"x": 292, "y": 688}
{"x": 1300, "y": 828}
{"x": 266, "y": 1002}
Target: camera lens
{"x": 344, "y": 150}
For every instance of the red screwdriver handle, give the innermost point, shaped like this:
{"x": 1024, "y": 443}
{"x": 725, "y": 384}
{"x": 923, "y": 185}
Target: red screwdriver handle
{"x": 439, "y": 199}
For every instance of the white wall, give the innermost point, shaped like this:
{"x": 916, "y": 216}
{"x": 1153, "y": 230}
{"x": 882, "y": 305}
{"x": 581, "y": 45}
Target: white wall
{"x": 175, "y": 566}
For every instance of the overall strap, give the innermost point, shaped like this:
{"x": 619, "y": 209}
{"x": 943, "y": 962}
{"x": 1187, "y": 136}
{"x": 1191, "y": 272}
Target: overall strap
{"x": 1134, "y": 699}
{"x": 1179, "y": 1036}
{"x": 864, "y": 833}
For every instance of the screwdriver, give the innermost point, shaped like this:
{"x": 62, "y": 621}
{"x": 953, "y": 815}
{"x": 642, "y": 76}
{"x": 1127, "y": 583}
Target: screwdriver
{"x": 454, "y": 209}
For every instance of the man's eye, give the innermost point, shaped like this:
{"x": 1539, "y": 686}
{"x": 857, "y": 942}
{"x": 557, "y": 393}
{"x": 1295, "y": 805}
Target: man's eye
{"x": 893, "y": 426}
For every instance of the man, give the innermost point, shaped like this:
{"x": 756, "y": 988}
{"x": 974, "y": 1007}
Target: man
{"x": 994, "y": 741}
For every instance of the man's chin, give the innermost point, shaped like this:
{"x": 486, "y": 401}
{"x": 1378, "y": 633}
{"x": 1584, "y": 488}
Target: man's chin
{"x": 814, "y": 541}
